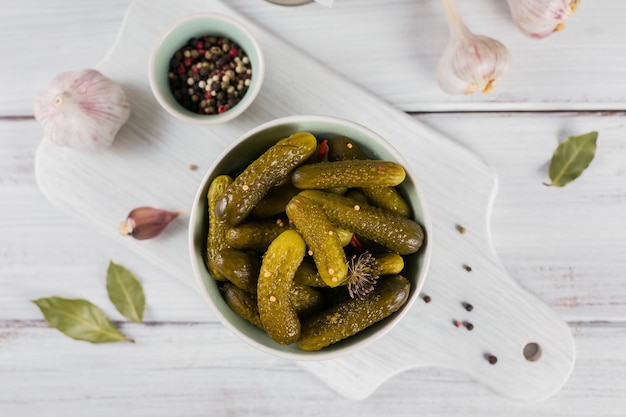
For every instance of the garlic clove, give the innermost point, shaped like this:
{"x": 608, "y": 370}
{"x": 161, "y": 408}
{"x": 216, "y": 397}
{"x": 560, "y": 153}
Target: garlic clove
{"x": 146, "y": 222}
{"x": 470, "y": 62}
{"x": 82, "y": 109}
{"x": 540, "y": 18}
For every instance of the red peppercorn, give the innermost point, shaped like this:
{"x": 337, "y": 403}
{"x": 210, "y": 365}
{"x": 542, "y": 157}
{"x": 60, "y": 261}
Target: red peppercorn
{"x": 356, "y": 244}
{"x": 322, "y": 151}
{"x": 233, "y": 52}
{"x": 180, "y": 69}
{"x": 199, "y": 44}
{"x": 221, "y": 108}
{"x": 187, "y": 62}
{"x": 207, "y": 95}
{"x": 195, "y": 70}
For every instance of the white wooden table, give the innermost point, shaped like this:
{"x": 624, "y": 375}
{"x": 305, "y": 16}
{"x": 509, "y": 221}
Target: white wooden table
{"x": 567, "y": 246}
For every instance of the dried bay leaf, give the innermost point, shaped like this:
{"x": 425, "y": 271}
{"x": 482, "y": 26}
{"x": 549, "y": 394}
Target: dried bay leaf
{"x": 571, "y": 158}
{"x": 79, "y": 319}
{"x": 125, "y": 292}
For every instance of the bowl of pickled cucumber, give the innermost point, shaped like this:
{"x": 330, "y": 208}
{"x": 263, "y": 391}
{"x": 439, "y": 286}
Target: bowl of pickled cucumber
{"x": 309, "y": 237}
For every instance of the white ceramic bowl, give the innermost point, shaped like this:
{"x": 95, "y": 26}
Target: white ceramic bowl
{"x": 238, "y": 156}
{"x": 176, "y": 36}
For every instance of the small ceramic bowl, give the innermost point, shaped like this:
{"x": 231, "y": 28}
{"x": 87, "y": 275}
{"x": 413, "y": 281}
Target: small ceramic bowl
{"x": 176, "y": 36}
{"x": 240, "y": 154}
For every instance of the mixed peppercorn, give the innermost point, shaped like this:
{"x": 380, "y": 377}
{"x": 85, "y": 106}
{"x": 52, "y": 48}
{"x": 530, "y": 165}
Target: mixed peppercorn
{"x": 209, "y": 74}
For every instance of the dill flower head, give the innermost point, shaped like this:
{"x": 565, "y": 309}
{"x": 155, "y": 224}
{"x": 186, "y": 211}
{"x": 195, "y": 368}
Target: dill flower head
{"x": 362, "y": 275}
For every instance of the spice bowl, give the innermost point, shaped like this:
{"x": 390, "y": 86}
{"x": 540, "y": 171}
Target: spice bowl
{"x": 206, "y": 69}
{"x": 247, "y": 149}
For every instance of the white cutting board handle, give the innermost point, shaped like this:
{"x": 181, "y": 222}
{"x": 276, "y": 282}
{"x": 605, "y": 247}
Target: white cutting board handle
{"x": 533, "y": 346}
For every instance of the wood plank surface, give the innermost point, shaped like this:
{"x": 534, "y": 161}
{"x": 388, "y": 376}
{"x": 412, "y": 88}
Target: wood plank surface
{"x": 198, "y": 369}
{"x": 565, "y": 245}
{"x": 208, "y": 368}
{"x": 581, "y": 68}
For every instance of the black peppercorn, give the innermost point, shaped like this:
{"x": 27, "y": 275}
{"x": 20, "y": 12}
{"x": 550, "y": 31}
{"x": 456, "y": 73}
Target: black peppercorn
{"x": 202, "y": 72}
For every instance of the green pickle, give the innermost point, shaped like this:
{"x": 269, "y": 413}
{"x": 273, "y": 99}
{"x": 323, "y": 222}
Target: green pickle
{"x": 387, "y": 198}
{"x": 216, "y": 237}
{"x": 389, "y": 263}
{"x": 341, "y": 149}
{"x": 275, "y": 201}
{"x": 305, "y": 300}
{"x": 243, "y": 303}
{"x": 354, "y": 315}
{"x": 307, "y": 274}
{"x": 268, "y": 170}
{"x": 321, "y": 238}
{"x": 239, "y": 267}
{"x": 255, "y": 235}
{"x": 278, "y": 268}
{"x": 397, "y": 233}
{"x": 350, "y": 173}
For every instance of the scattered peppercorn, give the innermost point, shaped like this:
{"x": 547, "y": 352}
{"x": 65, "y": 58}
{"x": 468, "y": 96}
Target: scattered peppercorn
{"x": 209, "y": 74}
{"x": 467, "y": 268}
{"x": 462, "y": 230}
{"x": 468, "y": 306}
{"x": 492, "y": 359}
{"x": 458, "y": 324}
{"x": 469, "y": 326}
{"x": 427, "y": 299}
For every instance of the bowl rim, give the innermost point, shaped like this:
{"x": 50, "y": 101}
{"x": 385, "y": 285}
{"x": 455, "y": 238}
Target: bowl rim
{"x": 249, "y": 97}
{"x": 321, "y": 354}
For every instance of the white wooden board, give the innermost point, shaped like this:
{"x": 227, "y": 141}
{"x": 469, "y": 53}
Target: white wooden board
{"x": 147, "y": 165}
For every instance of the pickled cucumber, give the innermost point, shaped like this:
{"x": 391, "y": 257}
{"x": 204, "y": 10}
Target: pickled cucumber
{"x": 239, "y": 267}
{"x": 350, "y": 173}
{"x": 321, "y": 238}
{"x": 305, "y": 300}
{"x": 243, "y": 303}
{"x": 387, "y": 198}
{"x": 389, "y": 263}
{"x": 255, "y": 235}
{"x": 345, "y": 236}
{"x": 342, "y": 148}
{"x": 275, "y": 201}
{"x": 216, "y": 237}
{"x": 307, "y": 274}
{"x": 278, "y": 268}
{"x": 354, "y": 315}
{"x": 397, "y": 233}
{"x": 261, "y": 175}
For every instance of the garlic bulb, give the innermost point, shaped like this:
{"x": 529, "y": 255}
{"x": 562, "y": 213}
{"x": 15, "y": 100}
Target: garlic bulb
{"x": 82, "y": 109}
{"x": 540, "y": 18}
{"x": 470, "y": 62}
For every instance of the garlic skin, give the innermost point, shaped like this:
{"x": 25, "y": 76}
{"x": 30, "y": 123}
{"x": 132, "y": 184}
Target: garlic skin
{"x": 540, "y": 18}
{"x": 146, "y": 222}
{"x": 82, "y": 109}
{"x": 470, "y": 62}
